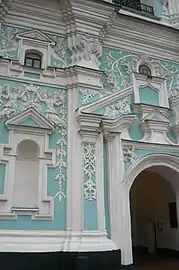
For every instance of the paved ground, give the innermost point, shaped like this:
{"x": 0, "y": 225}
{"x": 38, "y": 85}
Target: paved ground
{"x": 170, "y": 265}
{"x": 160, "y": 262}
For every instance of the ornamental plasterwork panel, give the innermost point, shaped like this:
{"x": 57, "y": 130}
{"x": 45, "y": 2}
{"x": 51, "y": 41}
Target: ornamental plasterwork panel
{"x": 60, "y": 57}
{"x": 89, "y": 172}
{"x": 119, "y": 65}
{"x": 121, "y": 106}
{"x": 87, "y": 95}
{"x": 16, "y": 97}
{"x": 8, "y": 42}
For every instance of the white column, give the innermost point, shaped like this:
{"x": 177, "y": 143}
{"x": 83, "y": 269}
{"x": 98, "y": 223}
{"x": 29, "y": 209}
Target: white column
{"x": 173, "y": 6}
{"x": 90, "y": 134}
{"x": 116, "y": 171}
{"x": 100, "y": 185}
{"x": 74, "y": 178}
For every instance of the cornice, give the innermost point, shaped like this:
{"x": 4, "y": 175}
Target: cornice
{"x": 4, "y": 7}
{"x": 129, "y": 33}
{"x": 152, "y": 146}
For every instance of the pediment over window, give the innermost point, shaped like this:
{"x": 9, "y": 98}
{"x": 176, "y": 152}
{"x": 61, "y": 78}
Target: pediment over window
{"x": 154, "y": 123}
{"x": 29, "y": 119}
{"x": 156, "y": 116}
{"x": 36, "y": 35}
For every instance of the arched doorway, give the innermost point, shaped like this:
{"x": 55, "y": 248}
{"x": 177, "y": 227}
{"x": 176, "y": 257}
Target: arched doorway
{"x": 165, "y": 165}
{"x": 153, "y": 210}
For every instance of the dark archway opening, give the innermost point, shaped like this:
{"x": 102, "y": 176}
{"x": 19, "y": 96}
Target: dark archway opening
{"x": 154, "y": 222}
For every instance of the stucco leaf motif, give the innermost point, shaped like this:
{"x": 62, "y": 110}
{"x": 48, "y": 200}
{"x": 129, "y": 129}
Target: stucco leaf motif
{"x": 53, "y": 105}
{"x": 89, "y": 45}
{"x": 88, "y": 95}
{"x": 61, "y": 97}
{"x": 119, "y": 107}
{"x": 8, "y": 44}
{"x": 89, "y": 171}
{"x": 118, "y": 66}
{"x": 60, "y": 52}
{"x": 129, "y": 154}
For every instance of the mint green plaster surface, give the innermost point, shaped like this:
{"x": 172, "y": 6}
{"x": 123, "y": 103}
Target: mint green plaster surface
{"x": 32, "y": 75}
{"x": 106, "y": 189}
{"x": 58, "y": 141}
{"x": 2, "y": 177}
{"x": 29, "y": 122}
{"x": 119, "y": 65}
{"x": 148, "y": 95}
{"x": 90, "y": 215}
{"x": 135, "y": 131}
{"x": 61, "y": 56}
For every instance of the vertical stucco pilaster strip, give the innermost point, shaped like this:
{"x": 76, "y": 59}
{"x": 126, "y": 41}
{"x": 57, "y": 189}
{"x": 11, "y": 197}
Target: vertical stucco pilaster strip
{"x": 90, "y": 193}
{"x": 75, "y": 169}
{"x": 100, "y": 184}
{"x": 116, "y": 170}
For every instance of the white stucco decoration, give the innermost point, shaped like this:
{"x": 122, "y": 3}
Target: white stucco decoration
{"x": 20, "y": 131}
{"x": 35, "y": 40}
{"x": 156, "y": 83}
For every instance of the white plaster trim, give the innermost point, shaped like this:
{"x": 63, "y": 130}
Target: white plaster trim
{"x": 116, "y": 171}
{"x": 100, "y": 183}
{"x": 51, "y": 241}
{"x": 140, "y": 165}
{"x": 155, "y": 146}
{"x": 156, "y": 83}
{"x": 106, "y": 100}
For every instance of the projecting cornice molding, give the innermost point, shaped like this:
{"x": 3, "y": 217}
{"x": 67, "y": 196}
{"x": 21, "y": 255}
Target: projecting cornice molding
{"x": 4, "y": 7}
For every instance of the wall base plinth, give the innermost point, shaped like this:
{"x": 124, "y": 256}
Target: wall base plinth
{"x": 88, "y": 241}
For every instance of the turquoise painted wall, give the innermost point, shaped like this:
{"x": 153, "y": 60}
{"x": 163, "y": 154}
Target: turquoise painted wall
{"x": 149, "y": 95}
{"x": 9, "y": 46}
{"x": 2, "y": 177}
{"x": 26, "y": 96}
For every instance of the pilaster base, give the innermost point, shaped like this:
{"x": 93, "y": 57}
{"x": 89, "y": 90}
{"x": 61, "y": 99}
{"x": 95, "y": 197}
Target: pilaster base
{"x": 53, "y": 241}
{"x": 88, "y": 241}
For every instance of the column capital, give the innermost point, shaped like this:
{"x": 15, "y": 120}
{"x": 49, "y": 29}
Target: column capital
{"x": 89, "y": 127}
{"x": 120, "y": 125}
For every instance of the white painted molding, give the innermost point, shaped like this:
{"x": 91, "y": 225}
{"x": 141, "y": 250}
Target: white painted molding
{"x": 52, "y": 241}
{"x": 116, "y": 171}
{"x": 47, "y": 158}
{"x": 105, "y": 101}
{"x": 154, "y": 123}
{"x": 35, "y": 40}
{"x": 140, "y": 165}
{"x": 119, "y": 125}
{"x": 156, "y": 83}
